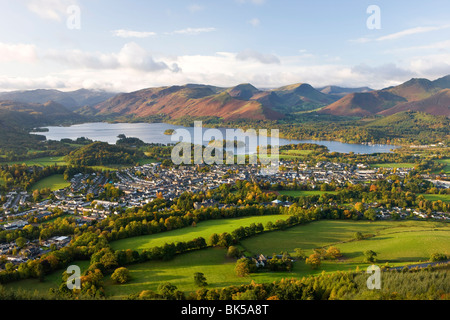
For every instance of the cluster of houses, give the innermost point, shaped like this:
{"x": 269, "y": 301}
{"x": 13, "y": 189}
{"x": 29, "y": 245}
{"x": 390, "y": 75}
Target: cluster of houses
{"x": 142, "y": 184}
{"x": 32, "y": 249}
{"x": 15, "y": 199}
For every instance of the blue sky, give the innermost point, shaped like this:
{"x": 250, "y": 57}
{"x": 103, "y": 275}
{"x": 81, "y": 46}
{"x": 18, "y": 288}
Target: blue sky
{"x": 128, "y": 45}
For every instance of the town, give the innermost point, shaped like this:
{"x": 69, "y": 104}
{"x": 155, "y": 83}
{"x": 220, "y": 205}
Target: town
{"x": 141, "y": 185}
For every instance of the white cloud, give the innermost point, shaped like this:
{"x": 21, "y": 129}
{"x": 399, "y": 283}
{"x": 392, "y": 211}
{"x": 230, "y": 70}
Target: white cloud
{"x": 254, "y": 55}
{"x": 17, "y": 52}
{"x": 133, "y": 34}
{"x": 135, "y": 57}
{"x": 255, "y": 22}
{"x": 432, "y": 66}
{"x": 193, "y": 31}
{"x": 411, "y": 31}
{"x": 401, "y": 34}
{"x": 131, "y": 56}
{"x": 132, "y": 68}
{"x": 50, "y": 9}
{"x": 24, "y": 83}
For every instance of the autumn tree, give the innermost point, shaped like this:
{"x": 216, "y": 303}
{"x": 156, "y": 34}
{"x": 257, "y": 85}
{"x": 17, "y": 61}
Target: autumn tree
{"x": 243, "y": 267}
{"x": 121, "y": 275}
{"x": 233, "y": 252}
{"x": 333, "y": 253}
{"x": 314, "y": 261}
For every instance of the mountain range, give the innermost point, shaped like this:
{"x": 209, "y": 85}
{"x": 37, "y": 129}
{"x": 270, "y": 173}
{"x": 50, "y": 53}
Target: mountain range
{"x": 422, "y": 95}
{"x": 243, "y": 101}
{"x": 72, "y": 100}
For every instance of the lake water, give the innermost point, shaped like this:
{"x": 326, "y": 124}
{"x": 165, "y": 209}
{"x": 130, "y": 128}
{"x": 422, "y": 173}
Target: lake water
{"x": 154, "y": 133}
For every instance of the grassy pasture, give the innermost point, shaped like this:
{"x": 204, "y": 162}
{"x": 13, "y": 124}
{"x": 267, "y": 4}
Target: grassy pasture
{"x": 393, "y": 165}
{"x": 436, "y": 197}
{"x": 298, "y": 193}
{"x": 396, "y": 242}
{"x": 203, "y": 229}
{"x": 42, "y": 162}
{"x": 54, "y": 182}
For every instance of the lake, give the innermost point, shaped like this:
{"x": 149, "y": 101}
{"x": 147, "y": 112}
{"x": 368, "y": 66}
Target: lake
{"x": 154, "y": 133}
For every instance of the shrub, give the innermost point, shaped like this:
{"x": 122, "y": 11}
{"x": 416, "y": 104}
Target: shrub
{"x": 121, "y": 275}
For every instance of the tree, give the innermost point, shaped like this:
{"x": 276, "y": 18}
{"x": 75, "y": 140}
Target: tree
{"x": 243, "y": 267}
{"x": 370, "y": 214}
{"x": 438, "y": 257}
{"x": 359, "y": 236}
{"x": 121, "y": 275}
{"x": 214, "y": 239}
{"x": 313, "y": 261}
{"x": 359, "y": 206}
{"x": 225, "y": 240}
{"x": 167, "y": 290}
{"x": 233, "y": 252}
{"x": 333, "y": 253}
{"x": 300, "y": 254}
{"x": 21, "y": 242}
{"x": 370, "y": 256}
{"x": 200, "y": 279}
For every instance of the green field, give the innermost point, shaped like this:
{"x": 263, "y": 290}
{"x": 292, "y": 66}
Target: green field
{"x": 294, "y": 154}
{"x": 52, "y": 280}
{"x": 203, "y": 229}
{"x": 396, "y": 242}
{"x": 298, "y": 193}
{"x": 436, "y": 197}
{"x": 50, "y": 161}
{"x": 393, "y": 165}
{"x": 54, "y": 182}
{"x": 42, "y": 162}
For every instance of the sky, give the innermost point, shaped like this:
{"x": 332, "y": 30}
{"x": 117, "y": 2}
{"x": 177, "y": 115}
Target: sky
{"x": 123, "y": 46}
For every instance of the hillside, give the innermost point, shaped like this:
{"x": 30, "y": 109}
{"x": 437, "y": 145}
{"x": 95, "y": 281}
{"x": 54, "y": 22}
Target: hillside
{"x": 363, "y": 104}
{"x": 102, "y": 153}
{"x": 191, "y": 100}
{"x": 29, "y": 115}
{"x": 416, "y": 95}
{"x": 438, "y": 104}
{"x": 414, "y": 89}
{"x": 70, "y": 100}
{"x": 301, "y": 97}
{"x": 17, "y": 119}
{"x": 415, "y": 124}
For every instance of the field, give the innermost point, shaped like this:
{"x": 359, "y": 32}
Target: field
{"x": 393, "y": 165}
{"x": 52, "y": 280}
{"x": 54, "y": 182}
{"x": 203, "y": 229}
{"x": 396, "y": 242}
{"x": 298, "y": 193}
{"x": 50, "y": 161}
{"x": 294, "y": 154}
{"x": 42, "y": 162}
{"x": 436, "y": 197}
